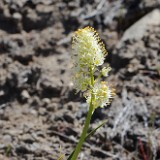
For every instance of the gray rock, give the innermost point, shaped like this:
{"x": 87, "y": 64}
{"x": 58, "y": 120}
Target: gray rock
{"x": 17, "y": 16}
{"x": 68, "y": 117}
{"x": 25, "y": 95}
{"x": 137, "y": 30}
{"x": 7, "y": 139}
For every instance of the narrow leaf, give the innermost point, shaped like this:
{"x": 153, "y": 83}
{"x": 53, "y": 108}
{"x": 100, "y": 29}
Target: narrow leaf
{"x": 90, "y": 134}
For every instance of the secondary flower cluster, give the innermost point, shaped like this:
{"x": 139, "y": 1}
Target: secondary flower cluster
{"x": 102, "y": 93}
{"x": 89, "y": 53}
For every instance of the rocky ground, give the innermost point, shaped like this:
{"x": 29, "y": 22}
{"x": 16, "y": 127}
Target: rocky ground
{"x": 40, "y": 115}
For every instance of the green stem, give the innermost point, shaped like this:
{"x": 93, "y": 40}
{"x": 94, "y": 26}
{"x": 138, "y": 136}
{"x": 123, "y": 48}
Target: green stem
{"x": 87, "y": 122}
{"x": 85, "y": 129}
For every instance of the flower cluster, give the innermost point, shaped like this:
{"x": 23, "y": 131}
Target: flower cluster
{"x": 102, "y": 94}
{"x": 88, "y": 47}
{"x": 89, "y": 53}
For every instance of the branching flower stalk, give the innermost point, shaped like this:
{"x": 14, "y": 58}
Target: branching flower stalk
{"x": 89, "y": 54}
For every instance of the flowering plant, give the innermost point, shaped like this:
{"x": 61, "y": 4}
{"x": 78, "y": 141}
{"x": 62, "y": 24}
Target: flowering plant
{"x": 89, "y": 54}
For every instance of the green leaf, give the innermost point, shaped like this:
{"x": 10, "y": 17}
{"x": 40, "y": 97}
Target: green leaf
{"x": 93, "y": 131}
{"x": 8, "y": 150}
{"x": 61, "y": 157}
{"x": 90, "y": 134}
{"x": 69, "y": 158}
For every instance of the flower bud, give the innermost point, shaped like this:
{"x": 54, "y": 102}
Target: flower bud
{"x": 105, "y": 71}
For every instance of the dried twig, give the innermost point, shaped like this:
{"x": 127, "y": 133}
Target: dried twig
{"x": 97, "y": 11}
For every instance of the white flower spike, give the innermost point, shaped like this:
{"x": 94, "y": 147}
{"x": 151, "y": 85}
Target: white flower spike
{"x": 89, "y": 53}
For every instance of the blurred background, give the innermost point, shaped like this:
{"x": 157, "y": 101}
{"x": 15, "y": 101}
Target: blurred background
{"x": 40, "y": 114}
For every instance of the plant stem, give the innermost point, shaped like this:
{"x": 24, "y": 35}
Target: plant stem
{"x": 87, "y": 122}
{"x": 85, "y": 129}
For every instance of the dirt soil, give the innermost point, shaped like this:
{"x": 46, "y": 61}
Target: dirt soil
{"x": 40, "y": 114}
